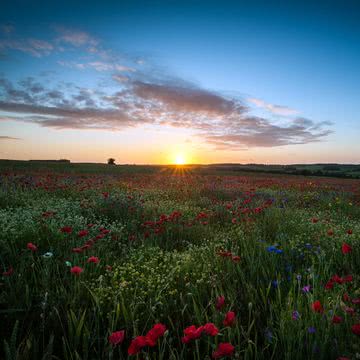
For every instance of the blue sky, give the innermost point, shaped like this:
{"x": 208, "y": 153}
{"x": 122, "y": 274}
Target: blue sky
{"x": 245, "y": 81}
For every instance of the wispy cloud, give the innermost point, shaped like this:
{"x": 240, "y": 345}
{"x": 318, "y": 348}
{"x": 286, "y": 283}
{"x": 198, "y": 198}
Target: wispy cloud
{"x": 9, "y": 138}
{"x": 275, "y": 109}
{"x": 7, "y": 28}
{"x": 34, "y": 47}
{"x": 222, "y": 122}
{"x": 96, "y": 65}
{"x": 75, "y": 37}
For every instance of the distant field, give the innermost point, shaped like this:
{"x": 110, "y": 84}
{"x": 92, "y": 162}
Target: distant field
{"x": 327, "y": 170}
{"x": 164, "y": 262}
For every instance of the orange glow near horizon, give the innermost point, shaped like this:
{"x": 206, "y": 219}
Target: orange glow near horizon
{"x": 180, "y": 159}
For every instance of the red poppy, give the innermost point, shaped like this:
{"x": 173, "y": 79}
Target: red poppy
{"x": 349, "y": 310}
{"x": 337, "y": 319}
{"x": 9, "y": 272}
{"x": 31, "y": 247}
{"x": 346, "y": 297}
{"x": 236, "y": 259}
{"x": 117, "y": 337}
{"x": 76, "y": 270}
{"x": 330, "y": 232}
{"x": 349, "y": 232}
{"x": 77, "y": 250}
{"x": 153, "y": 334}
{"x": 192, "y": 333}
{"x": 347, "y": 278}
{"x": 66, "y": 229}
{"x": 210, "y": 329}
{"x": 136, "y": 345}
{"x": 356, "y": 301}
{"x": 329, "y": 285}
{"x": 230, "y": 319}
{"x": 356, "y": 329}
{"x": 93, "y": 259}
{"x": 317, "y": 307}
{"x": 346, "y": 248}
{"x": 83, "y": 233}
{"x": 223, "y": 350}
{"x": 314, "y": 220}
{"x": 220, "y": 302}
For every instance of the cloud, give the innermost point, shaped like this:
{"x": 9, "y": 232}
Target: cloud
{"x": 275, "y": 109}
{"x": 7, "y": 28}
{"x": 96, "y": 65}
{"x": 9, "y": 138}
{"x": 222, "y": 122}
{"x": 186, "y": 99}
{"x": 34, "y": 47}
{"x": 76, "y": 37}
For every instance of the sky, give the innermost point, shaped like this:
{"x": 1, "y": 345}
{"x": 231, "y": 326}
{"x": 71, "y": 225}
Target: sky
{"x": 158, "y": 82}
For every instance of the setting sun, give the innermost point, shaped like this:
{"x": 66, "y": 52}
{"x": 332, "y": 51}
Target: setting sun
{"x": 180, "y": 159}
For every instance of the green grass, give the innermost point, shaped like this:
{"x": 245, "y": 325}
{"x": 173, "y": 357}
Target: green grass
{"x": 161, "y": 236}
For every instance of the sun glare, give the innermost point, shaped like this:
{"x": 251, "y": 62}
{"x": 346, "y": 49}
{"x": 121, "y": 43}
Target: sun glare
{"x": 180, "y": 159}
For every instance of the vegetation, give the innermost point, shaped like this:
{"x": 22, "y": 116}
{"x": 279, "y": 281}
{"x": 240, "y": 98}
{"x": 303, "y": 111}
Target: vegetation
{"x": 177, "y": 263}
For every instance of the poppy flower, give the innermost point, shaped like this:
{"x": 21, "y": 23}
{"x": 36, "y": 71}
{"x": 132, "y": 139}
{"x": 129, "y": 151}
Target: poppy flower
{"x": 356, "y": 301}
{"x": 77, "y": 250}
{"x": 349, "y": 232}
{"x": 346, "y": 248}
{"x": 317, "y": 307}
{"x": 346, "y": 297}
{"x": 347, "y": 278}
{"x": 93, "y": 259}
{"x": 349, "y": 310}
{"x": 83, "y": 233}
{"x": 136, "y": 345}
{"x": 314, "y": 220}
{"x": 337, "y": 319}
{"x": 236, "y": 259}
{"x": 356, "y": 329}
{"x": 210, "y": 329}
{"x": 230, "y": 318}
{"x": 117, "y": 337}
{"x": 66, "y": 229}
{"x": 330, "y": 232}
{"x": 329, "y": 285}
{"x": 31, "y": 247}
{"x": 223, "y": 350}
{"x": 154, "y": 334}
{"x": 220, "y": 302}
{"x": 9, "y": 272}
{"x": 192, "y": 333}
{"x": 76, "y": 270}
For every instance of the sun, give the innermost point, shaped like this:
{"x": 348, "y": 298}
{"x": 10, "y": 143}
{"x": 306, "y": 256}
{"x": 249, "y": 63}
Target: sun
{"x": 180, "y": 159}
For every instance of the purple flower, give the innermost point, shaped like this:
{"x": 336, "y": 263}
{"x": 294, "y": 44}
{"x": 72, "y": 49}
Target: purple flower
{"x": 306, "y": 289}
{"x": 295, "y": 315}
{"x": 311, "y": 330}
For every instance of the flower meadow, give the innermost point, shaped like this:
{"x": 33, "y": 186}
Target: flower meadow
{"x": 178, "y": 265}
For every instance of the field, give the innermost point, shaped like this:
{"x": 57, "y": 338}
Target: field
{"x": 110, "y": 262}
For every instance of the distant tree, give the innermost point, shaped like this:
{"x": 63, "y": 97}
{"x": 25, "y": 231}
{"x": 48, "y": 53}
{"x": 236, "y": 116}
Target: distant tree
{"x": 111, "y": 161}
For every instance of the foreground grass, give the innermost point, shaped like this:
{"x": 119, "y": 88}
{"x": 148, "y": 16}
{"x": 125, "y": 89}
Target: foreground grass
{"x": 84, "y": 256}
